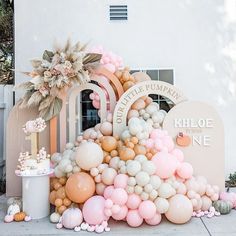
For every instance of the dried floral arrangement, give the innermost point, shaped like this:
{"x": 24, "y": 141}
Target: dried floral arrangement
{"x": 55, "y": 72}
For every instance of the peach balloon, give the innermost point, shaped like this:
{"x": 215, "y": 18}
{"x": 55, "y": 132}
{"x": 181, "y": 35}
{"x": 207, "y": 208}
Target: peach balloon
{"x": 126, "y": 153}
{"x": 109, "y": 143}
{"x": 80, "y": 187}
{"x": 180, "y": 209}
{"x": 88, "y": 155}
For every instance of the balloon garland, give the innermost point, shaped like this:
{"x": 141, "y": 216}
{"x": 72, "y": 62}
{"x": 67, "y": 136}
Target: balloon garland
{"x": 137, "y": 177}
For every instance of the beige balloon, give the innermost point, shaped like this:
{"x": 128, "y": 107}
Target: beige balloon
{"x": 180, "y": 209}
{"x": 89, "y": 155}
{"x": 108, "y": 176}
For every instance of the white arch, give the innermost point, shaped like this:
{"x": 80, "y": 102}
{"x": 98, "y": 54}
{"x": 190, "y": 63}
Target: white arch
{"x": 139, "y": 90}
{"x": 73, "y": 93}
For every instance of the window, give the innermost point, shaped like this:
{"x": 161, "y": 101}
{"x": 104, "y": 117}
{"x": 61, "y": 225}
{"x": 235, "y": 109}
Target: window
{"x": 165, "y": 75}
{"x": 90, "y": 115}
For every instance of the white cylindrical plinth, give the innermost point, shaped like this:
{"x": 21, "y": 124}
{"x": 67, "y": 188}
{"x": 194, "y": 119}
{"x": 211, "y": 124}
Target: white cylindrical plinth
{"x": 35, "y": 195}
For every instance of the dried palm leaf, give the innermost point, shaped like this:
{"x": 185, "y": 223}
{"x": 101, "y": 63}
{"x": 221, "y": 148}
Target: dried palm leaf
{"x": 35, "y": 99}
{"x": 91, "y": 58}
{"x": 36, "y": 63}
{"x": 49, "y": 112}
{"x": 25, "y": 86}
{"x": 46, "y": 102}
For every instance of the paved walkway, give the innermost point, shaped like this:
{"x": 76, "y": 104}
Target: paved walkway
{"x": 217, "y": 226}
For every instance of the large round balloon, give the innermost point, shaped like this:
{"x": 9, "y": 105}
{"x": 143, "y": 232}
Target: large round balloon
{"x": 165, "y": 164}
{"x": 80, "y": 187}
{"x": 88, "y": 155}
{"x": 180, "y": 209}
{"x": 93, "y": 210}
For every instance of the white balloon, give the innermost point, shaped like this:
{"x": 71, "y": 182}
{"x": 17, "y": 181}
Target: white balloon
{"x": 63, "y": 163}
{"x": 153, "y": 194}
{"x": 121, "y": 163}
{"x": 68, "y": 168}
{"x": 114, "y": 162}
{"x": 155, "y": 181}
{"x": 149, "y": 167}
{"x": 140, "y": 135}
{"x": 56, "y": 157}
{"x": 148, "y": 188}
{"x": 166, "y": 190}
{"x": 146, "y": 116}
{"x": 125, "y": 134}
{"x": 130, "y": 189}
{"x": 151, "y": 108}
{"x": 94, "y": 171}
{"x": 67, "y": 152}
{"x": 131, "y": 181}
{"x": 76, "y": 169}
{"x": 135, "y": 129}
{"x": 58, "y": 173}
{"x": 123, "y": 170}
{"x": 140, "y": 158}
{"x": 133, "y": 168}
{"x": 138, "y": 189}
{"x": 144, "y": 196}
{"x": 142, "y": 178}
{"x": 162, "y": 205}
{"x": 141, "y": 112}
{"x": 69, "y": 145}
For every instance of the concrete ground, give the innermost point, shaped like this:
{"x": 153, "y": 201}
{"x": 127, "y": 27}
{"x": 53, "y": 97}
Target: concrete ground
{"x": 217, "y": 226}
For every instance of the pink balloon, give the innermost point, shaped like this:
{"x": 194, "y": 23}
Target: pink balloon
{"x": 168, "y": 143}
{"x": 115, "y": 209}
{"x": 93, "y": 210}
{"x": 108, "y": 203}
{"x": 155, "y": 220}
{"x": 108, "y": 191}
{"x": 185, "y": 170}
{"x": 96, "y": 104}
{"x": 156, "y": 133}
{"x": 121, "y": 214}
{"x": 110, "y": 67}
{"x": 165, "y": 164}
{"x": 147, "y": 209}
{"x": 120, "y": 181}
{"x": 158, "y": 144}
{"x": 178, "y": 154}
{"x": 97, "y": 97}
{"x": 133, "y": 218}
{"x": 133, "y": 201}
{"x": 119, "y": 196}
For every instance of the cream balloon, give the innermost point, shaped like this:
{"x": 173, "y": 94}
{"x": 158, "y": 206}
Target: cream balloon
{"x": 88, "y": 155}
{"x": 180, "y": 209}
{"x": 108, "y": 176}
{"x": 162, "y": 205}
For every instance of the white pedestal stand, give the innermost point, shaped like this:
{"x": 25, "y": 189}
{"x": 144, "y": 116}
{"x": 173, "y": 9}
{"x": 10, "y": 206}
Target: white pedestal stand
{"x": 35, "y": 195}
